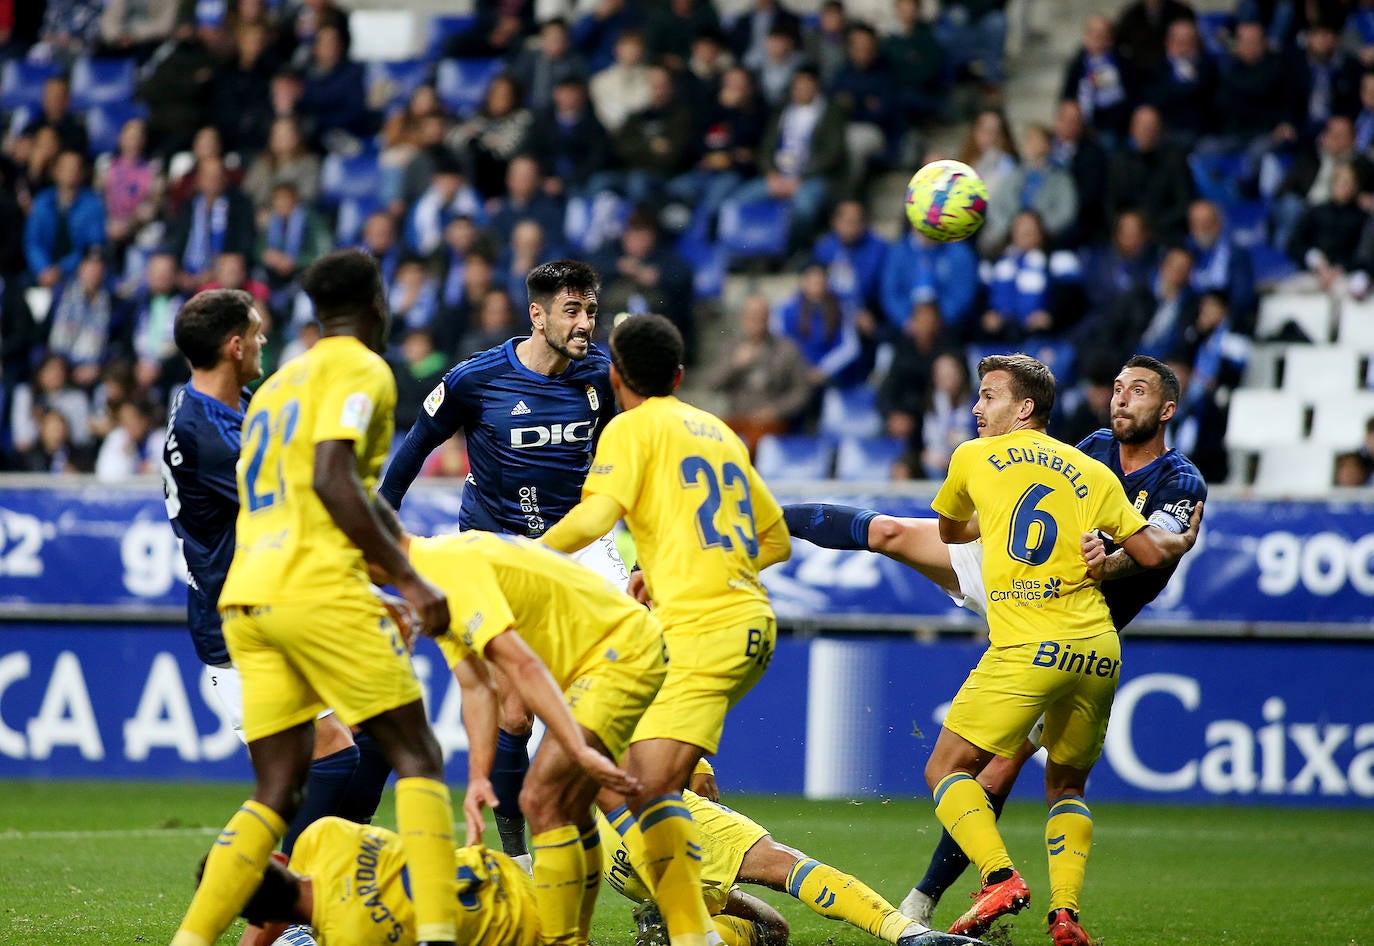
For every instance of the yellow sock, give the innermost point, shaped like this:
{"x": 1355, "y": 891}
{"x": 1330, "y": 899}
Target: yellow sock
{"x": 233, "y": 872}
{"x": 962, "y": 806}
{"x": 836, "y": 895}
{"x": 424, "y": 820}
{"x": 1068, "y": 839}
{"x": 736, "y": 932}
{"x": 591, "y": 881}
{"x": 559, "y": 878}
{"x": 671, "y": 868}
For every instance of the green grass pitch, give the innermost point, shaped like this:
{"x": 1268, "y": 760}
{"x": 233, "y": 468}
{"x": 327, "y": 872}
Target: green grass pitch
{"x": 110, "y": 863}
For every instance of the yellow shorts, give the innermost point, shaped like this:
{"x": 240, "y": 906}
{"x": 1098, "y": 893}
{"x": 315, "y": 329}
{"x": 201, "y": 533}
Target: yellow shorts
{"x": 296, "y": 659}
{"x": 726, "y": 836}
{"x": 1071, "y": 682}
{"x": 709, "y": 670}
{"x": 611, "y": 691}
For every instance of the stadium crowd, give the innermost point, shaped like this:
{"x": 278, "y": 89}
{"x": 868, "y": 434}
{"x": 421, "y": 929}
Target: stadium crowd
{"x": 158, "y": 148}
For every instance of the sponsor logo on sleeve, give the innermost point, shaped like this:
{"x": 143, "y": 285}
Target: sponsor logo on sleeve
{"x": 356, "y": 413}
{"x": 435, "y": 399}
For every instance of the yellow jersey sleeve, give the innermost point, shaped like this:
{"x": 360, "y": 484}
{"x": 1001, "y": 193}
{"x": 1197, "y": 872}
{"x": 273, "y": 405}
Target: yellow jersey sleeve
{"x": 766, "y": 508}
{"x": 953, "y": 501}
{"x": 359, "y": 390}
{"x": 617, "y": 469}
{"x": 1115, "y": 515}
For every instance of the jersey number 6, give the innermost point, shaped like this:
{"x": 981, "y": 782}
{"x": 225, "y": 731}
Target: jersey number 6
{"x": 1033, "y": 531}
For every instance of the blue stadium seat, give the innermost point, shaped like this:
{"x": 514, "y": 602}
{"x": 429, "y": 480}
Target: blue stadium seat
{"x": 356, "y": 176}
{"x": 462, "y": 83}
{"x": 1271, "y": 265}
{"x": 867, "y": 458}
{"x": 21, "y": 83}
{"x": 104, "y": 121}
{"x": 794, "y": 458}
{"x": 851, "y": 412}
{"x": 1248, "y": 222}
{"x": 353, "y": 211}
{"x": 392, "y": 83}
{"x": 1217, "y": 177}
{"x": 443, "y": 28}
{"x": 708, "y": 262}
{"x": 589, "y": 223}
{"x": 102, "y": 82}
{"x": 755, "y": 229}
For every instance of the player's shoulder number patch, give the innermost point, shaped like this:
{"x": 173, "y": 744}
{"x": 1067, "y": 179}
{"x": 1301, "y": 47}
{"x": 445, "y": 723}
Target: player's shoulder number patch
{"x": 435, "y": 399}
{"x": 357, "y": 412}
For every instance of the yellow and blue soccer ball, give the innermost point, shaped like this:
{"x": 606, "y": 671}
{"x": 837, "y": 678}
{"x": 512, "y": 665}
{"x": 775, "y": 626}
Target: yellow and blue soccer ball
{"x": 946, "y": 201}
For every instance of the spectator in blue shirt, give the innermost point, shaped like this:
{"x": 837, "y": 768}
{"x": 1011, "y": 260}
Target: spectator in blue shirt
{"x": 538, "y": 70}
{"x": 853, "y": 256}
{"x": 1030, "y": 288}
{"x": 568, "y": 141}
{"x": 1096, "y": 79}
{"x": 525, "y": 200}
{"x": 864, "y": 87}
{"x": 67, "y": 219}
{"x": 919, "y": 270}
{"x": 1185, "y": 78}
{"x": 82, "y": 318}
{"x": 448, "y": 197}
{"x": 335, "y": 93}
{"x": 822, "y": 326}
{"x": 1220, "y": 264}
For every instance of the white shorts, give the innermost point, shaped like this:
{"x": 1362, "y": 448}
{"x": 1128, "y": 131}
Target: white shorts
{"x": 967, "y": 561}
{"x": 227, "y": 685}
{"x": 603, "y": 557}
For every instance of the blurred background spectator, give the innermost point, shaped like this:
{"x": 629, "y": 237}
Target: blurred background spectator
{"x": 766, "y": 382}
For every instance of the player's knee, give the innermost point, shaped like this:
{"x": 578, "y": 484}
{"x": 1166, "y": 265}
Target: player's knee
{"x": 539, "y": 804}
{"x": 882, "y": 532}
{"x": 520, "y": 723}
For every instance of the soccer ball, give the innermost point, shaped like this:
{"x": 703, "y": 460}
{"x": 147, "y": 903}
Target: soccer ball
{"x": 946, "y": 201}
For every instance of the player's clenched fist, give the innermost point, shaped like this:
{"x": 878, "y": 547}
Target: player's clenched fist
{"x": 428, "y": 601}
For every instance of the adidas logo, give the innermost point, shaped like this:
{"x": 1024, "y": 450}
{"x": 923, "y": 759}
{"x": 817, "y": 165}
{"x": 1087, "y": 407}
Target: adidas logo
{"x": 520, "y": 408}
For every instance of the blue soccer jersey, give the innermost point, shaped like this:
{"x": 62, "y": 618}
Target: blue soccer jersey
{"x": 530, "y": 438}
{"x": 1165, "y": 492}
{"x": 202, "y": 498}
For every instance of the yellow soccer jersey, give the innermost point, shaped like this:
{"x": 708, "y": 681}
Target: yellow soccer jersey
{"x": 1035, "y": 497}
{"x": 362, "y": 889}
{"x": 288, "y": 548}
{"x": 563, "y": 610}
{"x": 694, "y": 504}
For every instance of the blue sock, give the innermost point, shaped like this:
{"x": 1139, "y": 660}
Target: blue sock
{"x": 949, "y": 860}
{"x": 329, "y": 776}
{"x": 364, "y": 793}
{"x": 828, "y": 525}
{"x": 507, "y": 778}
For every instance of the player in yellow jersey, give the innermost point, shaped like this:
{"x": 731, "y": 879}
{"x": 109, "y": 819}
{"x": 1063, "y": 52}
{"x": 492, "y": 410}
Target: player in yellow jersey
{"x": 550, "y": 625}
{"x": 1053, "y": 648}
{"x": 704, "y": 525}
{"x": 300, "y": 619}
{"x": 352, "y": 884}
{"x": 736, "y": 850}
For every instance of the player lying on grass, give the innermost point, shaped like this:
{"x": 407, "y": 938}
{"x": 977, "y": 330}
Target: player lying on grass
{"x": 1168, "y": 490}
{"x": 350, "y": 882}
{"x": 735, "y": 850}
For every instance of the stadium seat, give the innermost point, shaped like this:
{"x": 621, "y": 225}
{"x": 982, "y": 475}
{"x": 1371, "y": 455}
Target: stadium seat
{"x": 1340, "y": 423}
{"x": 102, "y": 82}
{"x": 1316, "y": 372}
{"x": 1259, "y": 419}
{"x": 391, "y": 84}
{"x": 1216, "y": 177}
{"x": 1247, "y": 222}
{"x": 1310, "y": 312}
{"x": 1296, "y": 469}
{"x": 442, "y": 29}
{"x": 356, "y": 176}
{"x": 1262, "y": 367}
{"x": 794, "y": 458}
{"x": 383, "y": 35}
{"x": 708, "y": 262}
{"x": 104, "y": 121}
{"x": 1355, "y": 328}
{"x": 589, "y": 223}
{"x": 462, "y": 83}
{"x": 851, "y": 412}
{"x": 867, "y": 458}
{"x": 749, "y": 231}
{"x": 21, "y": 83}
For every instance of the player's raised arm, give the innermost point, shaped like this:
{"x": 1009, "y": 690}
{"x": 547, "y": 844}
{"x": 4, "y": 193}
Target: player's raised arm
{"x": 531, "y": 678}
{"x": 341, "y": 492}
{"x": 586, "y": 522}
{"x": 1153, "y": 547}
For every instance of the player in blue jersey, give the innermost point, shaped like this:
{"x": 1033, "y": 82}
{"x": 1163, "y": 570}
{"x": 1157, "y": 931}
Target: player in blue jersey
{"x": 532, "y": 411}
{"x": 1162, "y": 483}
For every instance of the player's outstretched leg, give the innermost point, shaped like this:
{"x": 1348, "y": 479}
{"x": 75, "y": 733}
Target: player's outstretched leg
{"x": 963, "y": 808}
{"x": 424, "y": 818}
{"x": 234, "y": 867}
{"x": 331, "y": 771}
